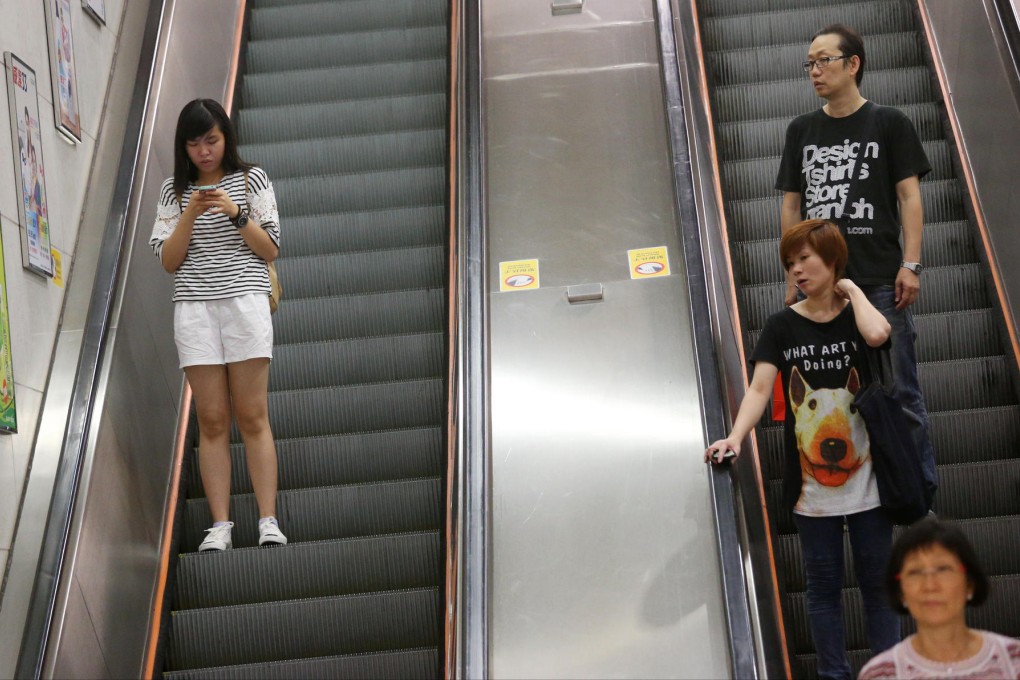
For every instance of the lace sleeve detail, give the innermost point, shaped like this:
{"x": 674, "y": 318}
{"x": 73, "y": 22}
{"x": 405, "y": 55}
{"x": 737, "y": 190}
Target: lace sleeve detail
{"x": 168, "y": 214}
{"x": 265, "y": 212}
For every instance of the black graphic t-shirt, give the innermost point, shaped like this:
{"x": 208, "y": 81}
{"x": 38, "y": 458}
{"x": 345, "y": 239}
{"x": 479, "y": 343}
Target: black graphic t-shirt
{"x": 846, "y": 170}
{"x": 827, "y": 469}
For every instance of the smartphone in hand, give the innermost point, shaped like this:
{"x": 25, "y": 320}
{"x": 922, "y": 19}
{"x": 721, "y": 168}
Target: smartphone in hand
{"x": 206, "y": 187}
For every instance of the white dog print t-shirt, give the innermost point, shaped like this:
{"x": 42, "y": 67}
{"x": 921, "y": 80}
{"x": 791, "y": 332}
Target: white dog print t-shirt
{"x": 828, "y": 467}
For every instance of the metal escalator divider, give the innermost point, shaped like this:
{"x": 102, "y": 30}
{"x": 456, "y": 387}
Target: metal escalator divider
{"x": 344, "y": 105}
{"x": 753, "y": 51}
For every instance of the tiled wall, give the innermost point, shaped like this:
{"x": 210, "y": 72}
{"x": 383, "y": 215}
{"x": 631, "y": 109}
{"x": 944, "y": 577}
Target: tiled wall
{"x": 34, "y": 302}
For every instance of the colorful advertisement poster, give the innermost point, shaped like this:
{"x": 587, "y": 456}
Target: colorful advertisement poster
{"x": 646, "y": 263}
{"x": 8, "y": 412}
{"x": 29, "y": 175}
{"x": 65, "y": 84}
{"x": 518, "y": 275}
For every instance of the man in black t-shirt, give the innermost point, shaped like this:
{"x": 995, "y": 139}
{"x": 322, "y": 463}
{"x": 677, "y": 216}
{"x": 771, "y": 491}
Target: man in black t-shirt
{"x": 859, "y": 164}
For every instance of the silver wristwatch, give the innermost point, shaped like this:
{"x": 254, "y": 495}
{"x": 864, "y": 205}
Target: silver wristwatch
{"x": 912, "y": 266}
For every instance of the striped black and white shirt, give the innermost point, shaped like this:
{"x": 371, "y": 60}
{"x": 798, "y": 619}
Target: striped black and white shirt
{"x": 219, "y": 264}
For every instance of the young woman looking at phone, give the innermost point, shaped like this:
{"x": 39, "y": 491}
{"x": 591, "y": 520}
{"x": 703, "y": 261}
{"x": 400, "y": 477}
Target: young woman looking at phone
{"x": 217, "y": 228}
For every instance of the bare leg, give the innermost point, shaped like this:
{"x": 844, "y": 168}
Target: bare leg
{"x": 249, "y": 388}
{"x": 212, "y": 401}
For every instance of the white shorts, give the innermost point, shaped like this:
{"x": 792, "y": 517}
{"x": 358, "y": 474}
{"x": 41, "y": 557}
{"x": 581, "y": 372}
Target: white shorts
{"x": 212, "y": 332}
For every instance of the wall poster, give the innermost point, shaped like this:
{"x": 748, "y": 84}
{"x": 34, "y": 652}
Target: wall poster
{"x": 62, "y": 71}
{"x": 29, "y": 175}
{"x": 95, "y": 9}
{"x": 8, "y": 410}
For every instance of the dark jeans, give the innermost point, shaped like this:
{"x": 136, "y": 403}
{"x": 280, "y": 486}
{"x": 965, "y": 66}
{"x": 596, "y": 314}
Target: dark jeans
{"x": 904, "y": 365}
{"x": 821, "y": 540}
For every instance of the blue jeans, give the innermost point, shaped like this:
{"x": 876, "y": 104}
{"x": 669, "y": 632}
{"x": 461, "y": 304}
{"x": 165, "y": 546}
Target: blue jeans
{"x": 904, "y": 365}
{"x": 821, "y": 540}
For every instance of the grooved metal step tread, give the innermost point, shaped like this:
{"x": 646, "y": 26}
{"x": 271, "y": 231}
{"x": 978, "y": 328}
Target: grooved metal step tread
{"x": 997, "y": 558}
{"x": 357, "y": 361}
{"x": 348, "y": 16}
{"x": 783, "y": 62}
{"x": 340, "y": 155}
{"x": 998, "y": 614}
{"x": 336, "y": 460}
{"x": 368, "y": 230}
{"x": 347, "y": 49}
{"x": 768, "y": 28}
{"x": 290, "y": 122}
{"x": 765, "y": 137}
{"x": 756, "y": 177}
{"x": 309, "y": 570}
{"x": 313, "y": 85}
{"x": 330, "y": 626}
{"x": 356, "y": 192}
{"x": 891, "y": 87}
{"x": 355, "y": 408}
{"x": 970, "y": 435}
{"x": 719, "y": 8}
{"x": 352, "y": 316}
{"x": 406, "y": 663}
{"x": 370, "y": 271}
{"x": 758, "y": 219}
{"x": 326, "y": 513}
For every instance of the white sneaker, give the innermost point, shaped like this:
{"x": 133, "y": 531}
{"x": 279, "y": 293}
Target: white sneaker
{"x": 217, "y": 538}
{"x": 269, "y": 532}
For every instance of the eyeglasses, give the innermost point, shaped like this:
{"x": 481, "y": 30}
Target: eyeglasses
{"x": 821, "y": 62}
{"x": 943, "y": 572}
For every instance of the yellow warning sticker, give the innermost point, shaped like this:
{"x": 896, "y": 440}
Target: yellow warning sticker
{"x": 648, "y": 262}
{"x": 58, "y": 268}
{"x": 518, "y": 275}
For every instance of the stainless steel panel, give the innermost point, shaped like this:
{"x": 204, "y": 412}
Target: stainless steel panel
{"x": 113, "y": 553}
{"x": 604, "y": 561}
{"x": 968, "y": 46}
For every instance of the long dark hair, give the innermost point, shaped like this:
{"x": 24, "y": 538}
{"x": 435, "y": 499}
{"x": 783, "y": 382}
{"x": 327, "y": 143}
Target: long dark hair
{"x": 198, "y": 117}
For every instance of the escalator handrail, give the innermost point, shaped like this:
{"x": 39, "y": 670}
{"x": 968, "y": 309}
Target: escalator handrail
{"x": 468, "y": 469}
{"x": 84, "y": 392}
{"x": 741, "y": 638}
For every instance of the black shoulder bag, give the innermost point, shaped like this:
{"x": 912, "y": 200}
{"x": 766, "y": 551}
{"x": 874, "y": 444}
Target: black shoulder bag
{"x": 894, "y": 452}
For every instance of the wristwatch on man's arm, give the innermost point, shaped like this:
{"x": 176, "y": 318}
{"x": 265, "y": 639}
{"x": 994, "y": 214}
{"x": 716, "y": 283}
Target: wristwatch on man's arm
{"x": 912, "y": 266}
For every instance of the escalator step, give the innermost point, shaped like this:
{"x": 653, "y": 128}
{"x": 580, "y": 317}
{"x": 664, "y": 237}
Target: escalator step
{"x": 758, "y": 219}
{"x": 769, "y": 28}
{"x": 983, "y": 382}
{"x": 945, "y": 289}
{"x": 347, "y": 49}
{"x": 344, "y": 84}
{"x": 358, "y": 360}
{"x": 329, "y": 513}
{"x": 410, "y": 664}
{"x": 997, "y": 559}
{"x": 790, "y": 98}
{"x": 756, "y": 178}
{"x": 369, "y": 230}
{"x": 944, "y": 244}
{"x": 308, "y": 570}
{"x": 352, "y": 316}
{"x": 383, "y": 190}
{"x": 718, "y": 8}
{"x": 344, "y": 155}
{"x": 743, "y": 140}
{"x": 987, "y": 489}
{"x": 355, "y": 408}
{"x": 360, "y": 117}
{"x": 373, "y": 271}
{"x": 783, "y": 62}
{"x": 297, "y": 629}
{"x": 342, "y": 459}
{"x": 285, "y": 20}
